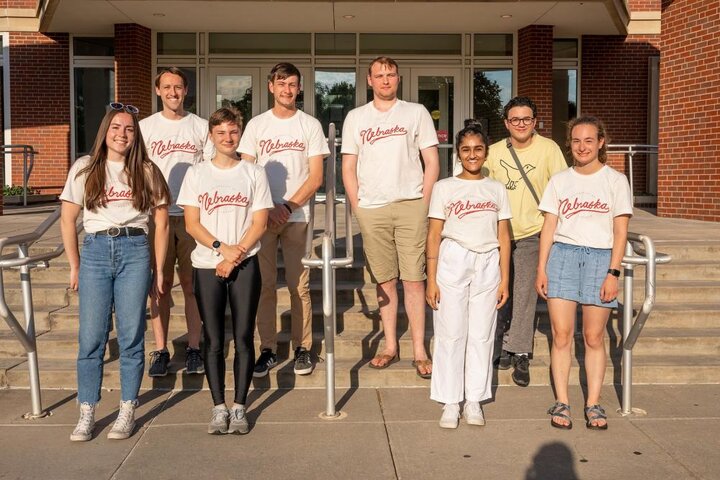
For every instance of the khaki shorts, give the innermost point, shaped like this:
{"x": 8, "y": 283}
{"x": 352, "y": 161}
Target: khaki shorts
{"x": 180, "y": 246}
{"x": 394, "y": 240}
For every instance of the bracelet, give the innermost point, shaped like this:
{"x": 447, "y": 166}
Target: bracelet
{"x": 289, "y": 209}
{"x": 614, "y": 272}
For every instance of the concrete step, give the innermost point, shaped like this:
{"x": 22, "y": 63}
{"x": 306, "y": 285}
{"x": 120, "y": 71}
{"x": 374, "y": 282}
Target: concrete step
{"x": 686, "y": 315}
{"x": 678, "y": 291}
{"x": 679, "y": 270}
{"x": 350, "y": 373}
{"x": 701, "y": 249}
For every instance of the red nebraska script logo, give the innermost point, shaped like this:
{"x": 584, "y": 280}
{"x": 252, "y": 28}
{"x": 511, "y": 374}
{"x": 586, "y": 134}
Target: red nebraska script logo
{"x": 372, "y": 135}
{"x": 569, "y": 208}
{"x": 466, "y": 207}
{"x": 270, "y": 147}
{"x": 112, "y": 195}
{"x": 162, "y": 149}
{"x": 217, "y": 200}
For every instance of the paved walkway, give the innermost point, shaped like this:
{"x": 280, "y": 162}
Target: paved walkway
{"x": 385, "y": 434}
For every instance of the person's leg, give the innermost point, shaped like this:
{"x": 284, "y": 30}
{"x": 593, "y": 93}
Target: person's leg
{"x": 594, "y": 322}
{"x": 519, "y": 336}
{"x": 211, "y": 294}
{"x": 562, "y": 321}
{"x": 184, "y": 248}
{"x": 450, "y": 324}
{"x": 160, "y": 309}
{"x": 292, "y": 242}
{"x": 267, "y": 307}
{"x": 244, "y": 293}
{"x": 387, "y": 297}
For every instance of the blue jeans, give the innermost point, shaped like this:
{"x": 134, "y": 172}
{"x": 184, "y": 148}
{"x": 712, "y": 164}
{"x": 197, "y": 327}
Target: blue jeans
{"x": 114, "y": 272}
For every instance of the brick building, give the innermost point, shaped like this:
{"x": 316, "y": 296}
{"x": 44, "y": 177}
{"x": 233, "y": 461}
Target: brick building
{"x": 649, "y": 68}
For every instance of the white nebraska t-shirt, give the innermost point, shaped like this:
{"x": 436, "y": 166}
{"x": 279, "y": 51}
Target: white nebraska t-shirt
{"x": 586, "y": 205}
{"x": 119, "y": 211}
{"x": 175, "y": 145}
{"x": 283, "y": 146}
{"x": 388, "y": 147}
{"x": 471, "y": 210}
{"x": 227, "y": 199}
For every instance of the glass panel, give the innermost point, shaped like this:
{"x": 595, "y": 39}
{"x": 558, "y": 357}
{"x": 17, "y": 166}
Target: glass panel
{"x": 93, "y": 46}
{"x": 565, "y": 48}
{"x": 334, "y": 98}
{"x": 176, "y": 44}
{"x": 94, "y": 90}
{"x": 437, "y": 93}
{"x": 235, "y": 91}
{"x": 191, "y": 97}
{"x": 267, "y": 43}
{"x": 371, "y": 95}
{"x": 496, "y": 45}
{"x": 299, "y": 101}
{"x": 492, "y": 89}
{"x": 406, "y": 43}
{"x": 564, "y": 103}
{"x": 335, "y": 44}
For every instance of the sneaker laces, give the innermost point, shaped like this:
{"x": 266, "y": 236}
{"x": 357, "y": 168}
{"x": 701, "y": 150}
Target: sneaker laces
{"x": 193, "y": 355}
{"x": 522, "y": 362}
{"x": 155, "y": 356}
{"x": 218, "y": 414}
{"x": 87, "y": 416}
{"x": 265, "y": 356}
{"x": 451, "y": 409}
{"x": 473, "y": 408}
{"x": 126, "y": 416}
{"x": 237, "y": 414}
{"x": 303, "y": 356}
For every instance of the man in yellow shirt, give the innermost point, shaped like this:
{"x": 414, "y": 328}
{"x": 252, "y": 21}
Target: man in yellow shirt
{"x": 540, "y": 158}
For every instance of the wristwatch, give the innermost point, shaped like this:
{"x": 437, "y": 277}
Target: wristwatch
{"x": 216, "y": 247}
{"x": 614, "y": 272}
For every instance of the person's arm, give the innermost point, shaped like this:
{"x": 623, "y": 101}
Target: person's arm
{"x": 609, "y": 288}
{"x": 350, "y": 179}
{"x": 69, "y": 213}
{"x": 311, "y": 185}
{"x": 546, "y": 241}
{"x": 161, "y": 236}
{"x": 195, "y": 229}
{"x": 432, "y": 251}
{"x": 279, "y": 214}
{"x": 431, "y": 159}
{"x": 504, "y": 241}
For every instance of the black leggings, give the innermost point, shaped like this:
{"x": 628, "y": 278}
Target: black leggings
{"x": 242, "y": 288}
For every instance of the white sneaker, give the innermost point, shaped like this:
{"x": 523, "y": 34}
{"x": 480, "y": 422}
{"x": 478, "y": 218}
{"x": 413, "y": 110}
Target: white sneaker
{"x": 238, "y": 421}
{"x": 84, "y": 429}
{"x": 219, "y": 422}
{"x": 125, "y": 423}
{"x": 450, "y": 416}
{"x": 473, "y": 413}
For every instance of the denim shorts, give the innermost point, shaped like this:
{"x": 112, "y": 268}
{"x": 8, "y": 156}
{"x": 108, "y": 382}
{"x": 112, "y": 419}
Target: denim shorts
{"x": 577, "y": 273}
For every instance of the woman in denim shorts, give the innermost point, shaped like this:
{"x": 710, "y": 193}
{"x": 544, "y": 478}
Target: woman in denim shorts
{"x": 587, "y": 210}
{"x": 117, "y": 188}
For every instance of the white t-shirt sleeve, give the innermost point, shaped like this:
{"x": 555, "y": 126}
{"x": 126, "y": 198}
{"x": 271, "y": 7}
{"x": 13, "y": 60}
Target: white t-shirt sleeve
{"x": 427, "y": 136}
{"x": 189, "y": 190}
{"x": 349, "y": 145}
{"x": 622, "y": 203}
{"x": 437, "y": 205}
{"x": 262, "y": 198}
{"x": 549, "y": 202}
{"x": 504, "y": 212}
{"x": 248, "y": 140}
{"x": 317, "y": 145}
{"x": 74, "y": 191}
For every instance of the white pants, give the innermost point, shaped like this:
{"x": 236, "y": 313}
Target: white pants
{"x": 464, "y": 324}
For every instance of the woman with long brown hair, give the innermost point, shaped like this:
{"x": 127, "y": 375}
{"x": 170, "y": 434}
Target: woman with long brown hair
{"x": 117, "y": 188}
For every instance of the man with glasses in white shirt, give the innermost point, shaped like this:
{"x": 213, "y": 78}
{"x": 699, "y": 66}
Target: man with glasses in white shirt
{"x": 524, "y": 163}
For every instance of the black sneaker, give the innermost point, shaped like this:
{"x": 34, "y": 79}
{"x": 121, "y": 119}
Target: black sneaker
{"x": 504, "y": 361}
{"x": 193, "y": 361}
{"x": 265, "y": 362}
{"x": 159, "y": 361}
{"x": 303, "y": 362}
{"x": 521, "y": 374}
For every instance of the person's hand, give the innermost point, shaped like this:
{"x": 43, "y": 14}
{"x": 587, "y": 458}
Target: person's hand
{"x": 541, "y": 284}
{"x": 502, "y": 295}
{"x": 157, "y": 288}
{"x": 224, "y": 268}
{"x": 231, "y": 253}
{"x": 74, "y": 278}
{"x": 279, "y": 215}
{"x": 432, "y": 295}
{"x": 609, "y": 288}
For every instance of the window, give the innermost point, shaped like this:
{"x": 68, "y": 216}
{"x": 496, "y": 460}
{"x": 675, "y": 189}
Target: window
{"x": 260, "y": 43}
{"x": 410, "y": 44}
{"x": 495, "y": 45}
{"x": 492, "y": 89}
{"x": 334, "y": 44}
{"x": 93, "y": 46}
{"x": 176, "y": 44}
{"x": 565, "y": 86}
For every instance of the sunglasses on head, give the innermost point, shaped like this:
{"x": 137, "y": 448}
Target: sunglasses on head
{"x": 128, "y": 108}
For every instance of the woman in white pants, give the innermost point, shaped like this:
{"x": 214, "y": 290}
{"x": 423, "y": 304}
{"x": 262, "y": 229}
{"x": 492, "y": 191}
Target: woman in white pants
{"x": 468, "y": 266}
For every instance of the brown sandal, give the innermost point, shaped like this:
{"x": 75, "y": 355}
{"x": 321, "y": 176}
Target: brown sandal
{"x": 387, "y": 359}
{"x": 424, "y": 364}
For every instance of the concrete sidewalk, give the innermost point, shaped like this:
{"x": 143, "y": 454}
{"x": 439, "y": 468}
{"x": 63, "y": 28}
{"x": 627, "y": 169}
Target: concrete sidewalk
{"x": 385, "y": 434}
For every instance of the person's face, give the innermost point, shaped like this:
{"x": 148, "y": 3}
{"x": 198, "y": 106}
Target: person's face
{"x": 523, "y": 117}
{"x": 171, "y": 91}
{"x": 285, "y": 91}
{"x": 585, "y": 144}
{"x": 120, "y": 136}
{"x": 384, "y": 81}
{"x": 226, "y": 138}
{"x": 472, "y": 152}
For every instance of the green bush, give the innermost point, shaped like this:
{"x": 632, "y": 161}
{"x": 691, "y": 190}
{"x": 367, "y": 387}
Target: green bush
{"x": 9, "y": 191}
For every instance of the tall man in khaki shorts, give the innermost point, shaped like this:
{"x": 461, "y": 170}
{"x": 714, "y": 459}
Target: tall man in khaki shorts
{"x": 389, "y": 193}
{"x": 175, "y": 140}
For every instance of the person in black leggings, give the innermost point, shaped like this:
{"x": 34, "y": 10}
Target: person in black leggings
{"x": 226, "y": 203}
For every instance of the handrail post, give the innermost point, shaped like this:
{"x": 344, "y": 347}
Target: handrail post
{"x": 627, "y": 325}
{"x": 33, "y": 371}
{"x": 328, "y": 282}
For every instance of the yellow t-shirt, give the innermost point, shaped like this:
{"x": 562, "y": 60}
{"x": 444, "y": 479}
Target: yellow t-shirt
{"x": 541, "y": 160}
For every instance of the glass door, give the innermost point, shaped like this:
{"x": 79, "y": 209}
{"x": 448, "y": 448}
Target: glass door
{"x": 439, "y": 90}
{"x": 236, "y": 87}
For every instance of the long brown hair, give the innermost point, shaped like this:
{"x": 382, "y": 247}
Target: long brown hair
{"x": 145, "y": 180}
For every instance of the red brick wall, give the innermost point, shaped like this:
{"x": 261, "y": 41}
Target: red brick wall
{"x": 20, "y": 4}
{"x": 689, "y": 159}
{"x": 40, "y": 106}
{"x": 614, "y": 87}
{"x": 535, "y": 53}
{"x": 133, "y": 66}
{"x": 643, "y": 5}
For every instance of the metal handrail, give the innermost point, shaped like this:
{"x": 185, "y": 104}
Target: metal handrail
{"x": 27, "y": 152}
{"x": 22, "y": 259}
{"x": 631, "y": 329}
{"x": 328, "y": 263}
{"x": 630, "y": 150}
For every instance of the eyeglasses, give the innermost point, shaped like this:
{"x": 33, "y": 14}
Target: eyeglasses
{"x": 515, "y": 121}
{"x": 121, "y": 106}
